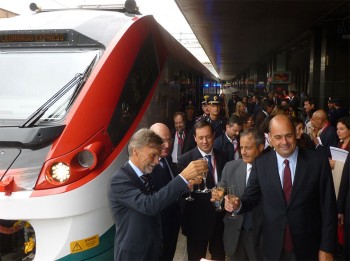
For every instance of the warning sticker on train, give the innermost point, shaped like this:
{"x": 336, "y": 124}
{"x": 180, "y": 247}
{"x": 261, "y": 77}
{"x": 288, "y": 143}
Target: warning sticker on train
{"x": 84, "y": 244}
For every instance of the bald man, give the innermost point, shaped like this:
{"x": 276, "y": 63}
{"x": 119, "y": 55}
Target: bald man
{"x": 295, "y": 188}
{"x": 162, "y": 174}
{"x": 324, "y": 132}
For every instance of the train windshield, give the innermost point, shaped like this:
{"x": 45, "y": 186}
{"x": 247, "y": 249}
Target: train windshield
{"x": 29, "y": 79}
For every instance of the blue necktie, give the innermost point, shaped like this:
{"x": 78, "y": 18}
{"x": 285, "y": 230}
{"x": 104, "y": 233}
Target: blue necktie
{"x": 210, "y": 175}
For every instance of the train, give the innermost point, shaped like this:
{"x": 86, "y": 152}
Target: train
{"x": 75, "y": 85}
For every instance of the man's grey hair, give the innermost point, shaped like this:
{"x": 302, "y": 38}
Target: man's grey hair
{"x": 258, "y": 136}
{"x": 144, "y": 137}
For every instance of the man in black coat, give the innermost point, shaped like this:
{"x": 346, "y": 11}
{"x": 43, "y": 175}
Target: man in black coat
{"x": 182, "y": 139}
{"x": 295, "y": 187}
{"x": 161, "y": 175}
{"x": 202, "y": 224}
{"x": 229, "y": 142}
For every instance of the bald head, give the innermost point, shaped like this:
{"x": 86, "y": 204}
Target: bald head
{"x": 281, "y": 119}
{"x": 282, "y": 135}
{"x": 321, "y": 114}
{"x": 319, "y": 119}
{"x": 163, "y": 131}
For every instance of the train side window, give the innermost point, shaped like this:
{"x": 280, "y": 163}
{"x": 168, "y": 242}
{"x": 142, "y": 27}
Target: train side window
{"x": 136, "y": 89}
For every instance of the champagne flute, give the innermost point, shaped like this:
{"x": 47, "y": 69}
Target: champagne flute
{"x": 231, "y": 194}
{"x": 220, "y": 191}
{"x": 190, "y": 198}
{"x": 204, "y": 177}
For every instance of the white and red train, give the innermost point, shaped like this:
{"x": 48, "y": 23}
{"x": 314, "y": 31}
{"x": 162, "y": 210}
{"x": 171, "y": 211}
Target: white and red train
{"x": 75, "y": 85}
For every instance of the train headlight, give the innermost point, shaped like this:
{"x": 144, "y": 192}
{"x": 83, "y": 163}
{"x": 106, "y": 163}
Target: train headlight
{"x": 86, "y": 159}
{"x": 60, "y": 172}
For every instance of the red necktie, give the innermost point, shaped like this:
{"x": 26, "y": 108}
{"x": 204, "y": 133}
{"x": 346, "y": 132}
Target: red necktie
{"x": 287, "y": 189}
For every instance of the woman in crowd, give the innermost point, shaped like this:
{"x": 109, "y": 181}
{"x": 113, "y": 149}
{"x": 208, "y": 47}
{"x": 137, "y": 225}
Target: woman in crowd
{"x": 248, "y": 120}
{"x": 344, "y": 207}
{"x": 343, "y": 132}
{"x": 303, "y": 140}
{"x": 240, "y": 109}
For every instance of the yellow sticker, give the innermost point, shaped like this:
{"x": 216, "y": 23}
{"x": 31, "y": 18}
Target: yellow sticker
{"x": 84, "y": 244}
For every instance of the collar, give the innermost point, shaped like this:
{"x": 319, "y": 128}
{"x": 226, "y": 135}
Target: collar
{"x": 204, "y": 153}
{"x": 292, "y": 158}
{"x": 136, "y": 169}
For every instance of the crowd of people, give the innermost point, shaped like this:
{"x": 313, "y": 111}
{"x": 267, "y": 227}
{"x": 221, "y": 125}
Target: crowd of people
{"x": 290, "y": 201}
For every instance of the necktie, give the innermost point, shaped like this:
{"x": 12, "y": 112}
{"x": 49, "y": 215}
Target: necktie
{"x": 180, "y": 143}
{"x": 287, "y": 189}
{"x": 166, "y": 168}
{"x": 149, "y": 186}
{"x": 235, "y": 147}
{"x": 248, "y": 217}
{"x": 210, "y": 175}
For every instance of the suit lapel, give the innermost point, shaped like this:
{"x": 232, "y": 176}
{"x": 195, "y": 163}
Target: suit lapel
{"x": 242, "y": 177}
{"x": 275, "y": 176}
{"x": 300, "y": 173}
{"x": 133, "y": 177}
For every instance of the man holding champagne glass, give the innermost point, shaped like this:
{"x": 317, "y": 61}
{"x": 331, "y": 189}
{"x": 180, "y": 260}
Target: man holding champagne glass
{"x": 242, "y": 233}
{"x": 202, "y": 224}
{"x": 296, "y": 191}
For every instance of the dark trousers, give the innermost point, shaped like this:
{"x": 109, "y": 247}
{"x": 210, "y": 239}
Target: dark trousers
{"x": 197, "y": 249}
{"x": 170, "y": 234}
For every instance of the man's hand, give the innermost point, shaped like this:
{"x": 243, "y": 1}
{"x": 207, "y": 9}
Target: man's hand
{"x": 232, "y": 204}
{"x": 324, "y": 256}
{"x": 214, "y": 195}
{"x": 194, "y": 169}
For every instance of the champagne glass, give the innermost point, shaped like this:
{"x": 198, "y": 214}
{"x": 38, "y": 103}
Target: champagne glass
{"x": 204, "y": 177}
{"x": 190, "y": 198}
{"x": 220, "y": 191}
{"x": 231, "y": 194}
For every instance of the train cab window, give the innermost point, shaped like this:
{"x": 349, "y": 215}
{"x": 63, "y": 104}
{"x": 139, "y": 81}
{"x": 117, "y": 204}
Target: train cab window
{"x": 136, "y": 89}
{"x": 33, "y": 77}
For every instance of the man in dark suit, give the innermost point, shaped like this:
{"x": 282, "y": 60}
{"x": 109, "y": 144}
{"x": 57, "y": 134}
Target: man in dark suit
{"x": 324, "y": 132}
{"x": 134, "y": 204}
{"x": 294, "y": 102}
{"x": 267, "y": 107}
{"x": 182, "y": 138}
{"x": 202, "y": 225}
{"x": 242, "y": 234}
{"x": 229, "y": 142}
{"x": 298, "y": 198}
{"x": 161, "y": 175}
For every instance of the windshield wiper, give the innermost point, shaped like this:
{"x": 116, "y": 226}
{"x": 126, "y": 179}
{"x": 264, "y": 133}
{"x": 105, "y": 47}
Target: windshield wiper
{"x": 78, "y": 81}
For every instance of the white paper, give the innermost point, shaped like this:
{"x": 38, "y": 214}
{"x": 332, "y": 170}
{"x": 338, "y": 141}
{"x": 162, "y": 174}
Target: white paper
{"x": 338, "y": 154}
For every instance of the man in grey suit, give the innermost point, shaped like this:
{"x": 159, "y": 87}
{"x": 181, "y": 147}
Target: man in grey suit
{"x": 135, "y": 207}
{"x": 242, "y": 234}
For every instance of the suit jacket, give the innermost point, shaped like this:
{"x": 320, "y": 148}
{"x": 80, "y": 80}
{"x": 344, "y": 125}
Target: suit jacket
{"x": 222, "y": 143}
{"x": 137, "y": 215}
{"x": 187, "y": 141}
{"x": 344, "y": 205}
{"x": 170, "y": 216}
{"x": 235, "y": 173}
{"x": 311, "y": 213}
{"x": 199, "y": 216}
{"x": 329, "y": 138}
{"x": 260, "y": 117}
